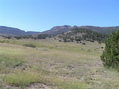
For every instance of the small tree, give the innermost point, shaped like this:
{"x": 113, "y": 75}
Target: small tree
{"x": 110, "y": 56}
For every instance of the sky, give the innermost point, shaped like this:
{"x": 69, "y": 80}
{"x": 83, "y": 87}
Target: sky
{"x": 42, "y": 15}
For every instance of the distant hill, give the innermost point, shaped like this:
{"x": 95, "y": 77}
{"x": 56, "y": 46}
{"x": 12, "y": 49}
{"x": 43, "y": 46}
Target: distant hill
{"x": 81, "y": 34}
{"x": 57, "y": 30}
{"x": 74, "y": 35}
{"x": 65, "y": 28}
{"x": 106, "y": 30}
{"x": 9, "y": 31}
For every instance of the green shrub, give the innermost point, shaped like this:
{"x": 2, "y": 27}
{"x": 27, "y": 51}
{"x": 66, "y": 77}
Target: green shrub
{"x": 83, "y": 43}
{"x": 1, "y": 41}
{"x": 30, "y": 45}
{"x": 110, "y": 56}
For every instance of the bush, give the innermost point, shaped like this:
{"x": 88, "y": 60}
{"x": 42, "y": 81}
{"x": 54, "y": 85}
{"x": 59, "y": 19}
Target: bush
{"x": 110, "y": 56}
{"x": 30, "y": 45}
{"x": 1, "y": 41}
{"x": 83, "y": 43}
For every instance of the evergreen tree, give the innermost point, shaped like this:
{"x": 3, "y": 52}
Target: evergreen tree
{"x": 110, "y": 56}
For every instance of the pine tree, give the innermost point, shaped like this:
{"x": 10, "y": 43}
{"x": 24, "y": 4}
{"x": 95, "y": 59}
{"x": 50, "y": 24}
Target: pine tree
{"x": 110, "y": 56}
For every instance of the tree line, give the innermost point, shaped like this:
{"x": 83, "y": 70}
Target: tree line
{"x": 40, "y": 36}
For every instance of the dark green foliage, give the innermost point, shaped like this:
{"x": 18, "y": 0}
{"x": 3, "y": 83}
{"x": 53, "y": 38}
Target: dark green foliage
{"x": 30, "y": 45}
{"x": 78, "y": 38}
{"x": 2, "y": 41}
{"x": 7, "y": 37}
{"x": 60, "y": 40}
{"x": 18, "y": 37}
{"x": 83, "y": 43}
{"x": 110, "y": 56}
{"x": 64, "y": 39}
{"x": 41, "y": 36}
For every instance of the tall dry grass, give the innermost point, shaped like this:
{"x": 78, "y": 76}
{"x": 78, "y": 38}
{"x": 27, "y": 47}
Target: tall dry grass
{"x": 54, "y": 64}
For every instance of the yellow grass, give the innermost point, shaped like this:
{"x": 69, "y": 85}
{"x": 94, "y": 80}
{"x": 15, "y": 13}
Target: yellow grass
{"x": 54, "y": 65}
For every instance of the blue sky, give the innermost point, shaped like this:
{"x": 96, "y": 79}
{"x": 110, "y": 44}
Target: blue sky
{"x": 41, "y": 15}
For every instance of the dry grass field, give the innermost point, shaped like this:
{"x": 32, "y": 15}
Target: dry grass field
{"x": 53, "y": 65}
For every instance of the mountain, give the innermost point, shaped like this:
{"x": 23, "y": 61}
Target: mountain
{"x": 65, "y": 28}
{"x": 10, "y": 31}
{"x": 57, "y": 29}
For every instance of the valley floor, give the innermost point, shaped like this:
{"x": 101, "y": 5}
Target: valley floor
{"x": 49, "y": 64}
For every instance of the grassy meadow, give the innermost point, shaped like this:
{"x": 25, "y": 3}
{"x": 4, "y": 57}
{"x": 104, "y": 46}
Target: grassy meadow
{"x": 49, "y": 64}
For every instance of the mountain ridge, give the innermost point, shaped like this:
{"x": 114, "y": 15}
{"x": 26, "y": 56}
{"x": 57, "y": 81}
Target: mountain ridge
{"x": 11, "y": 31}
{"x": 65, "y": 28}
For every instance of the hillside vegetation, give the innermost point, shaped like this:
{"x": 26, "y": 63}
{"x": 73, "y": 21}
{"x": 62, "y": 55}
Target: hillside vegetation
{"x": 51, "y": 64}
{"x": 80, "y": 34}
